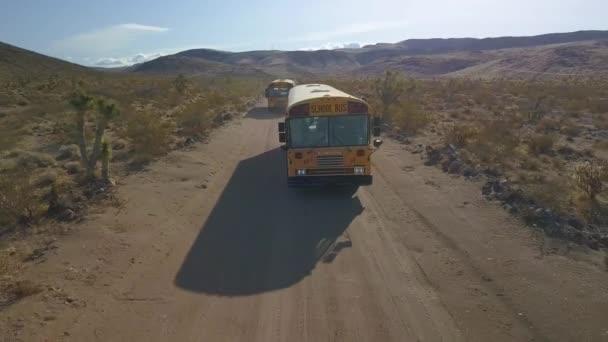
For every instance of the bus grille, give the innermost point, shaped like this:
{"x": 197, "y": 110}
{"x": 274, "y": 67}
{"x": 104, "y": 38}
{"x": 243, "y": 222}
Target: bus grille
{"x": 336, "y": 171}
{"x": 330, "y": 161}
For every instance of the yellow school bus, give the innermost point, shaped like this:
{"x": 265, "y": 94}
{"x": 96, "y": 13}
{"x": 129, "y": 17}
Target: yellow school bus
{"x": 276, "y": 94}
{"x": 327, "y": 135}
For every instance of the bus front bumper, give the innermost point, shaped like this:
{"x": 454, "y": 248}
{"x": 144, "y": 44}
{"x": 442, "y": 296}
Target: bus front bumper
{"x": 328, "y": 180}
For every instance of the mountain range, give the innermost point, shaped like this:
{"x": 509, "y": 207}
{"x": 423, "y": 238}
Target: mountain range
{"x": 575, "y": 54}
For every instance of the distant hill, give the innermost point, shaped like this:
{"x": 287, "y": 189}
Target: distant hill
{"x": 18, "y": 63}
{"x": 287, "y": 63}
{"x": 583, "y": 53}
{"x": 580, "y": 53}
{"x": 471, "y": 44}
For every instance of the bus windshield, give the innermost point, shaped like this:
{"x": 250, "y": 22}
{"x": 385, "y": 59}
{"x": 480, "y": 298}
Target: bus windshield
{"x": 328, "y": 131}
{"x": 278, "y": 92}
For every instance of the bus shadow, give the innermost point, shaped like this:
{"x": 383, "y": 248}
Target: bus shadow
{"x": 261, "y": 235}
{"x": 262, "y": 113}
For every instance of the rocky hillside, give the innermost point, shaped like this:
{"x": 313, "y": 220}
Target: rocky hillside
{"x": 580, "y": 53}
{"x": 20, "y": 63}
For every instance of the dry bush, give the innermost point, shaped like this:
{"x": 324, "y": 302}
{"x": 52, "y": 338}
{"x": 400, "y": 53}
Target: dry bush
{"x": 31, "y": 160}
{"x": 602, "y": 145}
{"x": 598, "y": 105}
{"x": 571, "y": 129}
{"x": 531, "y": 164}
{"x": 549, "y": 193}
{"x": 541, "y": 143}
{"x": 496, "y": 141}
{"x": 589, "y": 177}
{"x": 410, "y": 118}
{"x": 9, "y": 139}
{"x": 150, "y": 135}
{"x": 601, "y": 121}
{"x": 195, "y": 117}
{"x": 460, "y": 135}
{"x": 546, "y": 125}
{"x": 19, "y": 202}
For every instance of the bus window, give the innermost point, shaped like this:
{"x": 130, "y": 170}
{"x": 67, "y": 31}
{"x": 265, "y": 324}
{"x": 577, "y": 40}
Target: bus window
{"x": 308, "y": 132}
{"x": 278, "y": 92}
{"x": 348, "y": 130}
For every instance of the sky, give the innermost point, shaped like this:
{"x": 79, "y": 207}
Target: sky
{"x": 118, "y": 33}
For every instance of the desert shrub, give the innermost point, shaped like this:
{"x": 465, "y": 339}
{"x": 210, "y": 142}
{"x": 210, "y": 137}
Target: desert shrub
{"x": 31, "y": 160}
{"x": 602, "y": 145}
{"x": 389, "y": 90}
{"x": 46, "y": 178}
{"x": 541, "y": 143}
{"x": 460, "y": 135}
{"x": 9, "y": 139}
{"x": 410, "y": 118}
{"x": 150, "y": 135}
{"x": 536, "y": 108}
{"x": 549, "y": 193}
{"x": 589, "y": 177}
{"x": 180, "y": 83}
{"x": 19, "y": 203}
{"x": 195, "y": 117}
{"x": 73, "y": 167}
{"x": 547, "y": 125}
{"x": 531, "y": 164}
{"x": 601, "y": 121}
{"x": 496, "y": 141}
{"x": 571, "y": 129}
{"x": 598, "y": 105}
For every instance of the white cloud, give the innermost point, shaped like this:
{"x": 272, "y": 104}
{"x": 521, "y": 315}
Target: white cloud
{"x": 333, "y": 46}
{"x": 144, "y": 27}
{"x": 105, "y": 41}
{"x": 113, "y": 62}
{"x": 349, "y": 30}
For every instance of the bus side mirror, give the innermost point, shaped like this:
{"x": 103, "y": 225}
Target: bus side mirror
{"x": 377, "y": 142}
{"x": 376, "y": 124}
{"x": 266, "y": 92}
{"x": 282, "y": 137}
{"x": 281, "y": 127}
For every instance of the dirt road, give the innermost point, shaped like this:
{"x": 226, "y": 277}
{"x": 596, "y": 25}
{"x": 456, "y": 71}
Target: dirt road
{"x": 210, "y": 245}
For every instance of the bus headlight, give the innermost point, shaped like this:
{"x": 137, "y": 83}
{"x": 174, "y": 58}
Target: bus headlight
{"x": 359, "y": 170}
{"x": 301, "y": 172}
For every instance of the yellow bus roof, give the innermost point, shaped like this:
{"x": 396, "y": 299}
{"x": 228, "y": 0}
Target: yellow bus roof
{"x": 284, "y": 80}
{"x": 306, "y": 92}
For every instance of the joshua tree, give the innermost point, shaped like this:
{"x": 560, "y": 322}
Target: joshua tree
{"x": 104, "y": 111}
{"x": 389, "y": 90}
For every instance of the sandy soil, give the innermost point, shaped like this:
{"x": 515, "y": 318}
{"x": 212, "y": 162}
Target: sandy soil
{"x": 210, "y": 245}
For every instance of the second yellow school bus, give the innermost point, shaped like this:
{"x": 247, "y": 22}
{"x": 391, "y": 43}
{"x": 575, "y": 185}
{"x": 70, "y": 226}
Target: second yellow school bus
{"x": 328, "y": 137}
{"x": 277, "y": 93}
